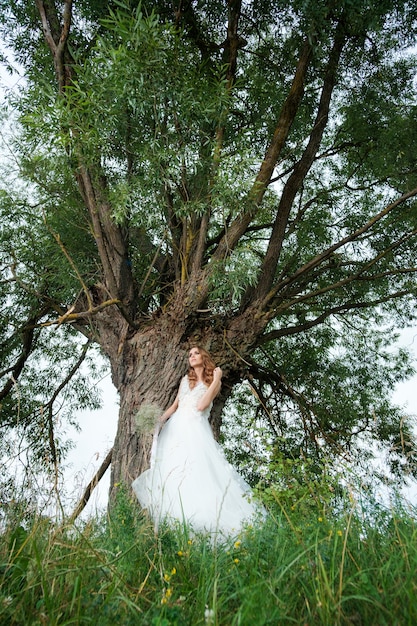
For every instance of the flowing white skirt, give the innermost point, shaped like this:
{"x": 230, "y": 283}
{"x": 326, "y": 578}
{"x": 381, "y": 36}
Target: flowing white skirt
{"x": 190, "y": 479}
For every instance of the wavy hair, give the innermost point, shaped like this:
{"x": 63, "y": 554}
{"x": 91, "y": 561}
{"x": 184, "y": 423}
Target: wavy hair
{"x": 208, "y": 367}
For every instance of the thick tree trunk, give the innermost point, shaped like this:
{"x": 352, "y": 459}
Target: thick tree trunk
{"x": 148, "y": 363}
{"x": 147, "y": 369}
{"x": 153, "y": 365}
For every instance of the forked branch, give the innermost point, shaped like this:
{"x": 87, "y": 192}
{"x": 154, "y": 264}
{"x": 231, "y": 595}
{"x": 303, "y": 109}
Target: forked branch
{"x": 301, "y": 169}
{"x": 326, "y": 254}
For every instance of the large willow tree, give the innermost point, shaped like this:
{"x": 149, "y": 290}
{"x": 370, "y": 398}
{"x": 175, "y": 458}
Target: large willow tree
{"x": 237, "y": 173}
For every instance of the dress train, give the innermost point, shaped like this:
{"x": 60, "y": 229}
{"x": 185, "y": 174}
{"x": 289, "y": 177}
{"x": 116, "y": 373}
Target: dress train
{"x": 190, "y": 479}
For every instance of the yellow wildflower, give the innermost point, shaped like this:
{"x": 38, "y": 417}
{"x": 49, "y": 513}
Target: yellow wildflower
{"x": 166, "y": 594}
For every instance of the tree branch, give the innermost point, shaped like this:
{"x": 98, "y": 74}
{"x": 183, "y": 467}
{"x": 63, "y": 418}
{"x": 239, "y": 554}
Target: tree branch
{"x": 110, "y": 242}
{"x": 317, "y": 260}
{"x": 111, "y": 245}
{"x": 90, "y": 487}
{"x": 342, "y": 308}
{"x": 70, "y": 316}
{"x": 57, "y": 38}
{"x": 305, "y": 407}
{"x": 300, "y": 171}
{"x": 27, "y": 344}
{"x": 285, "y": 121}
{"x": 363, "y": 268}
{"x": 50, "y": 404}
{"x": 230, "y": 54}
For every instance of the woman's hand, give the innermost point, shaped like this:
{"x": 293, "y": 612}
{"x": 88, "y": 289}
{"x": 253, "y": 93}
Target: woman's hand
{"x": 217, "y": 374}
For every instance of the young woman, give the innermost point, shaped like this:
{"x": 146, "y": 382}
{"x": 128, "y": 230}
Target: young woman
{"x": 190, "y": 479}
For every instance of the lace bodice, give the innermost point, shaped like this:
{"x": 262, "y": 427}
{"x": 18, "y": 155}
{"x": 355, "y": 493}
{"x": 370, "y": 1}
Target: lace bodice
{"x": 189, "y": 398}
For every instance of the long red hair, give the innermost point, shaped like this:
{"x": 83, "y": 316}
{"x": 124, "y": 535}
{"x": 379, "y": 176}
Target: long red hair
{"x": 208, "y": 367}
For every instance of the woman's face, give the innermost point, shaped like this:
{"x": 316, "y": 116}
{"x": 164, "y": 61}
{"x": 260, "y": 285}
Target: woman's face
{"x": 195, "y": 358}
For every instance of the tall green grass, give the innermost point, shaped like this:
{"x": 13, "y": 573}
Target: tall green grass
{"x": 305, "y": 566}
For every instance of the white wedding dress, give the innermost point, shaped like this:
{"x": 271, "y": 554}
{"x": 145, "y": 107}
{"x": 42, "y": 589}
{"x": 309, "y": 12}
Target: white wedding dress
{"x": 190, "y": 479}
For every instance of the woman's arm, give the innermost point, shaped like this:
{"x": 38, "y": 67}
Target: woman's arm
{"x": 212, "y": 390}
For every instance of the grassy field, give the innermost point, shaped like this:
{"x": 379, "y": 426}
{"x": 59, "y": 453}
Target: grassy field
{"x": 305, "y": 566}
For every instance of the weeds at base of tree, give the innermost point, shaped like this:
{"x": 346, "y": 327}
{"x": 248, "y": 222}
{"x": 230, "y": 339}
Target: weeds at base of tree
{"x": 304, "y": 565}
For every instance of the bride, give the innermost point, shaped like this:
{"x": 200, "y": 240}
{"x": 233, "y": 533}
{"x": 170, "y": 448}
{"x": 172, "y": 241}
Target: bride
{"x": 190, "y": 479}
